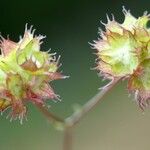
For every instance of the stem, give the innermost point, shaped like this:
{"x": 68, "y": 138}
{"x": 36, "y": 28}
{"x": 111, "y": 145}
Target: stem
{"x": 50, "y": 116}
{"x": 67, "y": 143}
{"x": 77, "y": 116}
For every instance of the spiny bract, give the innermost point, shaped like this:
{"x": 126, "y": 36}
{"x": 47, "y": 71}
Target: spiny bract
{"x": 123, "y": 51}
{"x": 25, "y": 73}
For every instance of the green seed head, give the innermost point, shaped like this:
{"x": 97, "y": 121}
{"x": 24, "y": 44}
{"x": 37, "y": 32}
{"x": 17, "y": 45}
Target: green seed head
{"x": 25, "y": 73}
{"x": 123, "y": 51}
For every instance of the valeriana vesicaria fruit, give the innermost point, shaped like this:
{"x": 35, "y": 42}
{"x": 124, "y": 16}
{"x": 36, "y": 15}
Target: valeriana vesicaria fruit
{"x": 25, "y": 73}
{"x": 123, "y": 51}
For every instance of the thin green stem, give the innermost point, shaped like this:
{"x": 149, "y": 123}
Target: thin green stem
{"x": 68, "y": 137}
{"x": 50, "y": 116}
{"x": 72, "y": 120}
{"x": 77, "y": 116}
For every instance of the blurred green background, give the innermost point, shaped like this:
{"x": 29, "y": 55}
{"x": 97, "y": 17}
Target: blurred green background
{"x": 115, "y": 124}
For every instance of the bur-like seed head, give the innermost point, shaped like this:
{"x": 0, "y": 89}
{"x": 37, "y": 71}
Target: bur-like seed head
{"x": 123, "y": 51}
{"x": 25, "y": 73}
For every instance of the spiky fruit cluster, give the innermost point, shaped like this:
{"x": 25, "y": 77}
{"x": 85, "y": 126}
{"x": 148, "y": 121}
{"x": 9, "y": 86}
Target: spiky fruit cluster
{"x": 123, "y": 51}
{"x": 25, "y": 73}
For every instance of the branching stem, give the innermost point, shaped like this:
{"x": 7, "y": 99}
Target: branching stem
{"x": 72, "y": 120}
